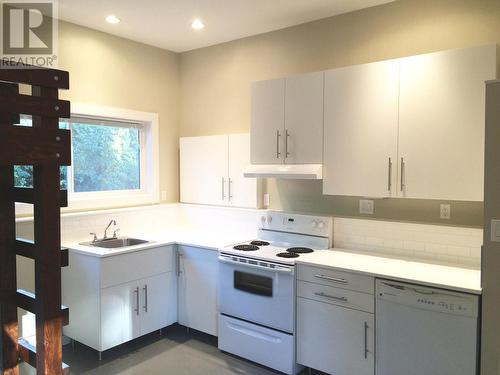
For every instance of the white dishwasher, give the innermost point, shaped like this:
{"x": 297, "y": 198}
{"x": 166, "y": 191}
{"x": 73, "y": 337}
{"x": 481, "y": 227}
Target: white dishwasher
{"x": 425, "y": 331}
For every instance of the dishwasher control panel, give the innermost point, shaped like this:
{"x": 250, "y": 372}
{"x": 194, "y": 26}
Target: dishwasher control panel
{"x": 438, "y": 300}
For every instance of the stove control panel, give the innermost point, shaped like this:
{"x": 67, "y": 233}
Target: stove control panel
{"x": 296, "y": 223}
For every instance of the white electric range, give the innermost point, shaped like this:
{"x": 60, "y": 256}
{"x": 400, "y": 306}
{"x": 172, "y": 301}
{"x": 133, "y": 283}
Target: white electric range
{"x": 257, "y": 288}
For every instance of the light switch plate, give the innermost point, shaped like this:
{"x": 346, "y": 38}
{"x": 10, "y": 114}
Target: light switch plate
{"x": 495, "y": 230}
{"x": 366, "y": 206}
{"x": 163, "y": 195}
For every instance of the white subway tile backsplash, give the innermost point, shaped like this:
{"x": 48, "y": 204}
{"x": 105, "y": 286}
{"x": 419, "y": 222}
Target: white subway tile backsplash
{"x": 431, "y": 243}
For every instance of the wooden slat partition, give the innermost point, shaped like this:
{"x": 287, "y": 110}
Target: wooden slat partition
{"x": 26, "y": 195}
{"x": 46, "y": 148}
{"x": 22, "y": 145}
{"x": 26, "y": 248}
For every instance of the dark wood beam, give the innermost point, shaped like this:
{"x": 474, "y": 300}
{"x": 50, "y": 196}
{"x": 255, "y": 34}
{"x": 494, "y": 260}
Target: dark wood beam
{"x": 47, "y": 234}
{"x": 27, "y": 249}
{"x": 33, "y": 105}
{"x": 39, "y": 77}
{"x": 8, "y": 275}
{"x": 26, "y": 195}
{"x": 21, "y": 145}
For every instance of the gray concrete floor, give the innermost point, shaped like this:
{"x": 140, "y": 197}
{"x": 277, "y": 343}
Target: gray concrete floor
{"x": 175, "y": 352}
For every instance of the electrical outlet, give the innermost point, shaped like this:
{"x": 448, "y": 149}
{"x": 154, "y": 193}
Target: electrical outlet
{"x": 267, "y": 200}
{"x": 445, "y": 211}
{"x": 163, "y": 195}
{"x": 366, "y": 206}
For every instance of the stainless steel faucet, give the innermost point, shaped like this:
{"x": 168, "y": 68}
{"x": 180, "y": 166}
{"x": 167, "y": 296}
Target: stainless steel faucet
{"x": 112, "y": 222}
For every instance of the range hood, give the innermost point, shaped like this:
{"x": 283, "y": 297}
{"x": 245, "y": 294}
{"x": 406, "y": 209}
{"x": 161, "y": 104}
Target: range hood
{"x": 285, "y": 171}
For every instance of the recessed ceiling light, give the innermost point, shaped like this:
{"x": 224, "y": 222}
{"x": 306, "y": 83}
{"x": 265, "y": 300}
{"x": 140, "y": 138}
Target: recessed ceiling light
{"x": 112, "y": 19}
{"x": 197, "y": 24}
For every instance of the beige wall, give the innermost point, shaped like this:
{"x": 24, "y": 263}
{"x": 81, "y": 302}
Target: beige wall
{"x": 112, "y": 71}
{"x": 215, "y": 81}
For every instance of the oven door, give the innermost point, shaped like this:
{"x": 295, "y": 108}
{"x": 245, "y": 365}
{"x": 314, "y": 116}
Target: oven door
{"x": 257, "y": 293}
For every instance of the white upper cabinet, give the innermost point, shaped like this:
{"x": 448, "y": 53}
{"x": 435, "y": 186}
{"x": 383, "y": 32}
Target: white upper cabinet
{"x": 211, "y": 171}
{"x": 287, "y": 120}
{"x": 361, "y": 130}
{"x": 268, "y": 121}
{"x": 441, "y": 123}
{"x": 203, "y": 169}
{"x": 303, "y": 138}
{"x": 242, "y": 192}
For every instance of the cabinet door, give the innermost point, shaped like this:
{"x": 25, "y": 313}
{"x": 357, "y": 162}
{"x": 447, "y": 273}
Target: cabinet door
{"x": 441, "y": 136}
{"x": 333, "y": 339}
{"x": 158, "y": 302}
{"x": 242, "y": 192}
{"x": 197, "y": 289}
{"x": 268, "y": 121}
{"x": 120, "y": 314}
{"x": 203, "y": 169}
{"x": 361, "y": 130}
{"x": 303, "y": 139}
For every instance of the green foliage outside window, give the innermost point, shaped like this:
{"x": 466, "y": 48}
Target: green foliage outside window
{"x": 105, "y": 158}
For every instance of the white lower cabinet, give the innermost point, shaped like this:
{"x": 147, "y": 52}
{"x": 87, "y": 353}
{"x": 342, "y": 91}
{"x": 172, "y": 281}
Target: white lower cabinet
{"x": 119, "y": 298}
{"x": 197, "y": 288}
{"x": 333, "y": 339}
{"x": 336, "y": 324}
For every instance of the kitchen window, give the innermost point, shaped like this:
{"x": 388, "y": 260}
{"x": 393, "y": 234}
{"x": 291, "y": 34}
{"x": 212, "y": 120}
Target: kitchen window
{"x": 114, "y": 159}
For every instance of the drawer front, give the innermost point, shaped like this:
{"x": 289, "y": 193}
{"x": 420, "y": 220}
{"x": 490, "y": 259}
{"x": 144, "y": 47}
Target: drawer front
{"x": 340, "y": 279}
{"x": 140, "y": 264}
{"x": 256, "y": 343}
{"x": 336, "y": 296}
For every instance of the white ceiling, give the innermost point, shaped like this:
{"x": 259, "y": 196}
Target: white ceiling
{"x": 167, "y": 23}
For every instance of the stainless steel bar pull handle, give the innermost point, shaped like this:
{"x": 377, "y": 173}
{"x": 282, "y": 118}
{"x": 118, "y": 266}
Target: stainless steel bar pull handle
{"x": 287, "y": 135}
{"x": 136, "y": 291}
{"x": 223, "y": 188}
{"x": 340, "y": 299}
{"x": 178, "y": 263}
{"x": 229, "y": 189}
{"x": 278, "y": 153}
{"x": 366, "y": 340}
{"x": 145, "y": 289}
{"x": 402, "y": 174}
{"x": 334, "y": 279}
{"x": 389, "y": 180}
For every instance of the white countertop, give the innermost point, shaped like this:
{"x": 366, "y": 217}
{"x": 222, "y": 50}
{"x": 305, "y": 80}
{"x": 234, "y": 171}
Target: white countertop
{"x": 180, "y": 236}
{"x": 455, "y": 278}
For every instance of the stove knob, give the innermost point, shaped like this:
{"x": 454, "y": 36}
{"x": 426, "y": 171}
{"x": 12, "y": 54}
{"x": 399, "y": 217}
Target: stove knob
{"x": 269, "y": 219}
{"x": 263, "y": 219}
{"x": 314, "y": 223}
{"x": 321, "y": 225}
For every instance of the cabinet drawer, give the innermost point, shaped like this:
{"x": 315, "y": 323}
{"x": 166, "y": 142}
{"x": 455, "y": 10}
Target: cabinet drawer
{"x": 336, "y": 278}
{"x": 336, "y": 296}
{"x": 140, "y": 264}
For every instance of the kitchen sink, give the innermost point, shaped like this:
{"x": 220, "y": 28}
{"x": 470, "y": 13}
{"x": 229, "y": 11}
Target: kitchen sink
{"x": 114, "y": 243}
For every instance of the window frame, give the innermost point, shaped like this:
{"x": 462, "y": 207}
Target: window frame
{"x": 149, "y": 192}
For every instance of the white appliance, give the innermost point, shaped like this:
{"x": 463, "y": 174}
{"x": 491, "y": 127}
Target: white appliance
{"x": 422, "y": 330}
{"x": 256, "y": 288}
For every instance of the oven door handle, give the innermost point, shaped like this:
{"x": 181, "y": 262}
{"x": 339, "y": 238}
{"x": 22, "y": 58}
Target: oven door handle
{"x": 280, "y": 269}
